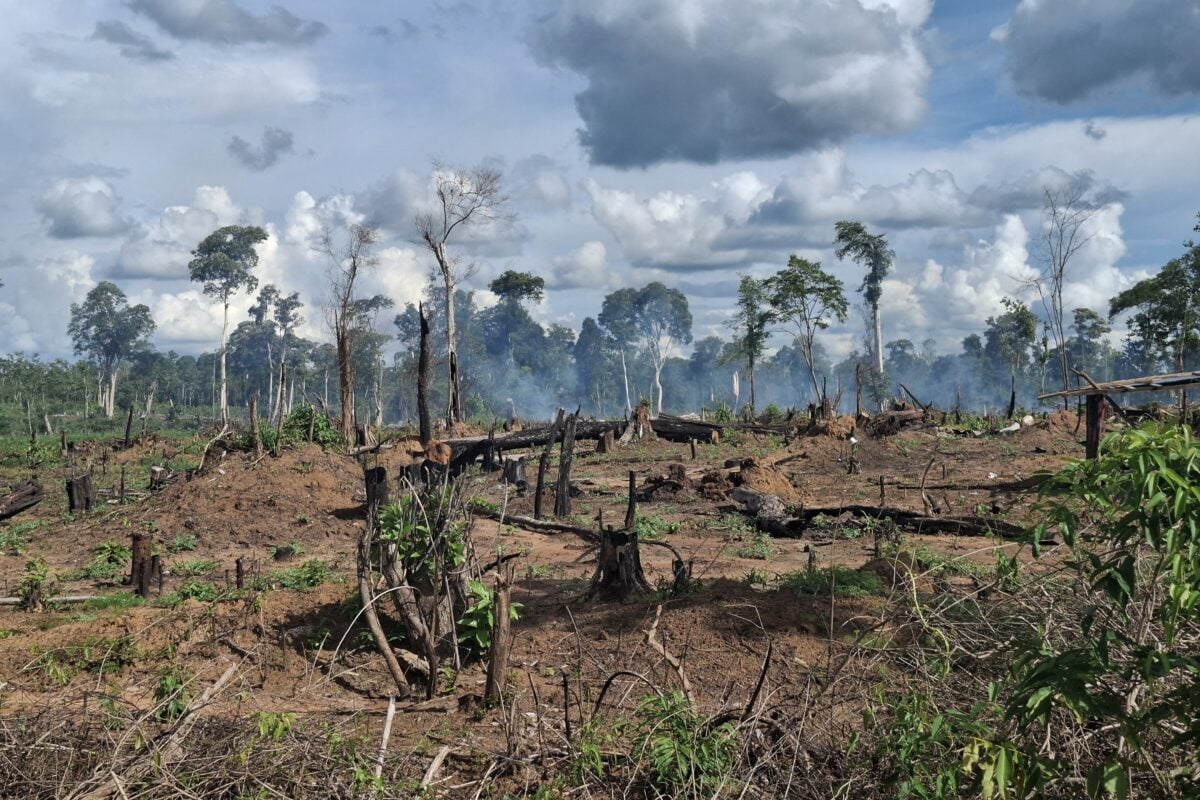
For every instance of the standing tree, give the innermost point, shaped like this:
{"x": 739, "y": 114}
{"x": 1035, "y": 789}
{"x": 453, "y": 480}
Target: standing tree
{"x": 872, "y": 251}
{"x": 810, "y": 298}
{"x": 594, "y": 363}
{"x": 224, "y": 263}
{"x": 465, "y": 197}
{"x": 109, "y": 330}
{"x": 347, "y": 261}
{"x": 1168, "y": 310}
{"x": 1065, "y": 216}
{"x": 509, "y": 317}
{"x": 655, "y": 317}
{"x": 753, "y": 317}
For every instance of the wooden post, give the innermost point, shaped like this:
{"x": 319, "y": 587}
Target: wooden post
{"x": 858, "y": 390}
{"x": 692, "y": 442}
{"x": 1095, "y": 426}
{"x": 279, "y": 406}
{"x": 631, "y": 509}
{"x": 156, "y": 575}
{"x": 562, "y": 490}
{"x": 241, "y": 573}
{"x": 882, "y": 492}
{"x": 121, "y": 491}
{"x": 497, "y": 672}
{"x": 255, "y": 433}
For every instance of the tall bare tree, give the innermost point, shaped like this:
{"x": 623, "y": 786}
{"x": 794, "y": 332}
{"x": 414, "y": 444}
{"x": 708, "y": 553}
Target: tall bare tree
{"x": 349, "y": 257}
{"x": 1065, "y": 230}
{"x": 465, "y": 197}
{"x": 871, "y": 250}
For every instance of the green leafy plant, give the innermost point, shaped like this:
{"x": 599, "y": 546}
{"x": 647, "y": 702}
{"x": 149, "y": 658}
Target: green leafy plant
{"x": 688, "y": 756}
{"x": 109, "y": 559}
{"x": 757, "y": 547}
{"x": 311, "y": 573}
{"x": 34, "y": 585}
{"x": 171, "y": 696}
{"x": 475, "y": 627}
{"x": 194, "y": 590}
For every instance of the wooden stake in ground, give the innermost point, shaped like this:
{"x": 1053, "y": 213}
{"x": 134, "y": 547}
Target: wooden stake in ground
{"x": 562, "y": 491}
{"x": 128, "y": 426}
{"x": 423, "y": 361}
{"x": 631, "y": 507}
{"x": 497, "y": 673}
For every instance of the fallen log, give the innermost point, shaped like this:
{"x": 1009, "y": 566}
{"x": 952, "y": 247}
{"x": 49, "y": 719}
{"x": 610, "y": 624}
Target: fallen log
{"x": 674, "y": 429}
{"x": 587, "y": 534}
{"x": 20, "y": 498}
{"x": 465, "y": 451}
{"x": 772, "y": 516}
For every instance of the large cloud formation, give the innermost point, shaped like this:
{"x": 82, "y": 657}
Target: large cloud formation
{"x": 225, "y": 22}
{"x": 709, "y": 80}
{"x": 1065, "y": 49}
{"x": 78, "y": 207}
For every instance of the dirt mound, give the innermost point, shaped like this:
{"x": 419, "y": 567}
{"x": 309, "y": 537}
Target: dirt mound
{"x": 674, "y": 485}
{"x": 308, "y": 499}
{"x": 1067, "y": 422}
{"x": 837, "y": 428}
{"x": 715, "y": 485}
{"x": 771, "y": 480}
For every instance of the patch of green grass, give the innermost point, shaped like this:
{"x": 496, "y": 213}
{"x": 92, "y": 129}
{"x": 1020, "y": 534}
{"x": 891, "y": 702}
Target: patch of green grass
{"x": 14, "y": 539}
{"x": 759, "y": 547}
{"x": 939, "y": 563}
{"x": 192, "y": 590}
{"x": 313, "y": 572}
{"x": 543, "y": 571}
{"x": 836, "y": 581}
{"x": 650, "y": 527}
{"x": 194, "y": 567}
{"x": 97, "y": 655}
{"x": 183, "y": 543}
{"x": 112, "y": 601}
{"x": 294, "y": 547}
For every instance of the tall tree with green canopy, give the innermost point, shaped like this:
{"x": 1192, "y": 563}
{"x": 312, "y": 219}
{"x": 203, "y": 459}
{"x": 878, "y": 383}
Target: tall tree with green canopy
{"x": 224, "y": 264}
{"x": 752, "y": 319}
{"x": 508, "y": 320}
{"x": 593, "y": 352}
{"x": 870, "y": 250}
{"x": 1167, "y": 308}
{"x": 109, "y": 330}
{"x": 654, "y": 317}
{"x": 807, "y": 296}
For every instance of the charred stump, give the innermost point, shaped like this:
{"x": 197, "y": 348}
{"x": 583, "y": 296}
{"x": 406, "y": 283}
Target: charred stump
{"x": 255, "y": 432}
{"x": 543, "y": 465}
{"x": 619, "y": 573}
{"x": 141, "y": 566}
{"x": 514, "y": 472}
{"x": 423, "y": 361}
{"x": 497, "y": 671}
{"x": 81, "y": 493}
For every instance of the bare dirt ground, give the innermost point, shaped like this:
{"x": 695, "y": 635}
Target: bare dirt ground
{"x": 305, "y": 651}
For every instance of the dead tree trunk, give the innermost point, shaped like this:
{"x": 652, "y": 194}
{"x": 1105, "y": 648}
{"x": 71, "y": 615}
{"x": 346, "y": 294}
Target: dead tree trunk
{"x": 81, "y": 494}
{"x": 255, "y": 433}
{"x": 423, "y": 362}
{"x": 544, "y": 464}
{"x": 497, "y": 673}
{"x": 562, "y": 490}
{"x": 128, "y": 426}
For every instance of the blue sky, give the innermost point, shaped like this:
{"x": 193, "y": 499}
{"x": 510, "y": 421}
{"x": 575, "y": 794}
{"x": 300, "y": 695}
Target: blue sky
{"x": 686, "y": 141}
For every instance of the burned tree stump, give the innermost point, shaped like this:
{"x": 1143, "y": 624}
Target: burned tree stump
{"x": 562, "y": 490}
{"x": 543, "y": 465}
{"x": 497, "y": 671}
{"x": 141, "y": 567}
{"x": 607, "y": 442}
{"x": 378, "y": 492}
{"x": 514, "y": 472}
{"x": 255, "y": 433}
{"x": 81, "y": 494}
{"x": 619, "y": 573}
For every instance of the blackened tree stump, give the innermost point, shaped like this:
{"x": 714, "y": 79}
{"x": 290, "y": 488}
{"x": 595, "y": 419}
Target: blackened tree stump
{"x": 562, "y": 490}
{"x": 619, "y": 573}
{"x": 81, "y": 494}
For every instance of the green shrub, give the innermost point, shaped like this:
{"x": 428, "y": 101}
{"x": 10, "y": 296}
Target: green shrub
{"x": 688, "y": 757}
{"x": 650, "y": 527}
{"x": 194, "y": 567}
{"x": 184, "y": 542}
{"x": 758, "y": 547}
{"x": 313, "y": 572}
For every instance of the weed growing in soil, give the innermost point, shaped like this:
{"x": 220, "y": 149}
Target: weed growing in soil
{"x": 109, "y": 559}
{"x": 758, "y": 547}
{"x": 836, "y": 581}
{"x": 194, "y": 567}
{"x": 313, "y": 572}
{"x": 650, "y": 527}
{"x": 475, "y": 627}
{"x": 171, "y": 696}
{"x": 14, "y": 537}
{"x": 183, "y": 543}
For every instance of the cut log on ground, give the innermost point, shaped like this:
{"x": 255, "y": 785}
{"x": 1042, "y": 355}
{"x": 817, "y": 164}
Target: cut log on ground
{"x": 674, "y": 429}
{"x": 772, "y": 516}
{"x": 19, "y": 498}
